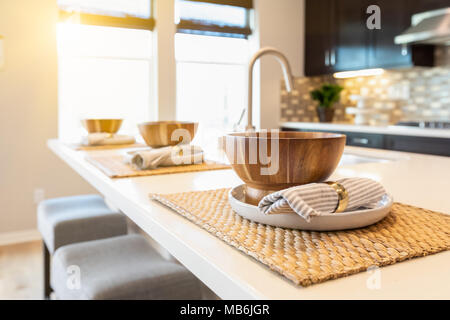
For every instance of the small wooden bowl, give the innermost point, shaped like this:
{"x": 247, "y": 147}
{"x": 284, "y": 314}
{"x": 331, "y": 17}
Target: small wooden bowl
{"x": 163, "y": 133}
{"x": 303, "y": 157}
{"x": 102, "y": 125}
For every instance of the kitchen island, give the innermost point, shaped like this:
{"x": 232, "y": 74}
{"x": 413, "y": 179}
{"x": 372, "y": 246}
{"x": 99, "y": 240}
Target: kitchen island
{"x": 420, "y": 180}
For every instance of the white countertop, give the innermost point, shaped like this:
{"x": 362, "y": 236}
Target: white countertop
{"x": 394, "y": 130}
{"x": 420, "y": 180}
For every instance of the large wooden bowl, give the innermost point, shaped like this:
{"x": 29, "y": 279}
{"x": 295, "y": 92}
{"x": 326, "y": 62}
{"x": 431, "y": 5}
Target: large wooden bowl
{"x": 102, "y": 125}
{"x": 303, "y": 157}
{"x": 163, "y": 133}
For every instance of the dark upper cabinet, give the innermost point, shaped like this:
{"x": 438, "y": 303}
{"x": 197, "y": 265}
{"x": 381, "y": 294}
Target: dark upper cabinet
{"x": 349, "y": 43}
{"x": 382, "y": 51}
{"x": 318, "y": 37}
{"x": 337, "y": 38}
{"x": 417, "y": 6}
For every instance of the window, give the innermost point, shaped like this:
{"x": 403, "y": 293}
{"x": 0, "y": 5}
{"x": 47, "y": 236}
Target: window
{"x": 134, "y": 14}
{"x": 119, "y": 8}
{"x": 104, "y": 71}
{"x": 218, "y": 18}
{"x": 211, "y": 68}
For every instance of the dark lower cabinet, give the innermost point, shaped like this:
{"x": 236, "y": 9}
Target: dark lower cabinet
{"x": 415, "y": 144}
{"x": 436, "y": 146}
{"x": 367, "y": 140}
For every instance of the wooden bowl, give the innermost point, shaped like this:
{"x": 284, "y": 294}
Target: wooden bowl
{"x": 303, "y": 157}
{"x": 163, "y": 133}
{"x": 102, "y": 125}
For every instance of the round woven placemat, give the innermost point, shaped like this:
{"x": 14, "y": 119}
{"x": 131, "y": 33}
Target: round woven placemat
{"x": 308, "y": 257}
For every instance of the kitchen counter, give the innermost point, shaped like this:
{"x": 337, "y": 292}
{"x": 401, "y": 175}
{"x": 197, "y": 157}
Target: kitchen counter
{"x": 420, "y": 180}
{"x": 392, "y": 130}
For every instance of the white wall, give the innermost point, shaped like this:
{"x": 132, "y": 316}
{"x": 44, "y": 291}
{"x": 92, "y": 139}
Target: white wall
{"x": 280, "y": 24}
{"x": 28, "y": 113}
{"x": 28, "y": 99}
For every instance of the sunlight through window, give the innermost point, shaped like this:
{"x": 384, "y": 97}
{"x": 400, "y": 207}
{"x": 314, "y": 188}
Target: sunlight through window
{"x": 211, "y": 83}
{"x": 104, "y": 72}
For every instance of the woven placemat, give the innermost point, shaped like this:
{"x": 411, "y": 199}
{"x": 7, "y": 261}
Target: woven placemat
{"x": 81, "y": 147}
{"x": 115, "y": 167}
{"x": 308, "y": 257}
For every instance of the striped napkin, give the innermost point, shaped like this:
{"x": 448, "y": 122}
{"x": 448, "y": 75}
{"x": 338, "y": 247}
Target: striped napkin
{"x": 105, "y": 139}
{"x": 315, "y": 199}
{"x": 148, "y": 159}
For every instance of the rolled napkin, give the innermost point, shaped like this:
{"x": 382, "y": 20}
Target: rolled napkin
{"x": 104, "y": 139}
{"x": 164, "y": 157}
{"x": 315, "y": 199}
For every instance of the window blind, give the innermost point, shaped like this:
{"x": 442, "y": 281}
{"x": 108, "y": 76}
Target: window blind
{"x": 133, "y": 14}
{"x": 225, "y": 18}
{"x": 237, "y": 3}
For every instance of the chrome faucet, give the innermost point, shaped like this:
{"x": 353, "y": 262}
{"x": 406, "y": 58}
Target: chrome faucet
{"x": 286, "y": 73}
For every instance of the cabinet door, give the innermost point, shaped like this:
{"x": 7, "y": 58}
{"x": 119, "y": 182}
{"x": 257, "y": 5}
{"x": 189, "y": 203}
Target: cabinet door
{"x": 350, "y": 36}
{"x": 318, "y": 17}
{"x": 368, "y": 140}
{"x": 383, "y": 52}
{"x": 417, "y": 6}
{"x": 425, "y": 145}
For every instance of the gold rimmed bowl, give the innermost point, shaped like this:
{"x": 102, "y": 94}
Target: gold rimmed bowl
{"x": 102, "y": 125}
{"x": 268, "y": 162}
{"x": 167, "y": 133}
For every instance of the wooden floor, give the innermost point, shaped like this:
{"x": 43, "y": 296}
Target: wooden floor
{"x": 21, "y": 271}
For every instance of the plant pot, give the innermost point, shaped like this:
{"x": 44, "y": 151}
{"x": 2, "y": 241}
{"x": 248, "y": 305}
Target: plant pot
{"x": 325, "y": 114}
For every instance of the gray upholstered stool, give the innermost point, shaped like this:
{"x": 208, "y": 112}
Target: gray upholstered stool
{"x": 67, "y": 220}
{"x": 124, "y": 267}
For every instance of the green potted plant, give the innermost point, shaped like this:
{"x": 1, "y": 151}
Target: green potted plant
{"x": 327, "y": 96}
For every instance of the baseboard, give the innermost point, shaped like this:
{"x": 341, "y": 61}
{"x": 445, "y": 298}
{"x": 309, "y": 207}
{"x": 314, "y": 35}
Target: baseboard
{"x": 14, "y": 237}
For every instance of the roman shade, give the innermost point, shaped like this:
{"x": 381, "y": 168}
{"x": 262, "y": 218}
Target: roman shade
{"x": 225, "y": 18}
{"x": 133, "y": 14}
{"x": 237, "y": 3}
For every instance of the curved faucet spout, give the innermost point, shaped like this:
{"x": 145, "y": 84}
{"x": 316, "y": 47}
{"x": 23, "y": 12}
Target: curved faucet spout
{"x": 286, "y": 73}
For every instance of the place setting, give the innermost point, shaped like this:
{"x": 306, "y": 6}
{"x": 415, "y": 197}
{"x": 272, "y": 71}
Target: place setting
{"x": 225, "y": 150}
{"x": 300, "y": 224}
{"x": 102, "y": 134}
{"x": 167, "y": 150}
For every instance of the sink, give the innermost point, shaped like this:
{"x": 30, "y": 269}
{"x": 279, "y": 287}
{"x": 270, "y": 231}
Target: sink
{"x": 352, "y": 159}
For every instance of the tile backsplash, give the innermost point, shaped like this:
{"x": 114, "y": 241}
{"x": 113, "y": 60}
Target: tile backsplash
{"x": 400, "y": 95}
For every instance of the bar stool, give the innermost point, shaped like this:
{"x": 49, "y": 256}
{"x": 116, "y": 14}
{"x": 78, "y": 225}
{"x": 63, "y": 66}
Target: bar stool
{"x": 68, "y": 220}
{"x": 124, "y": 267}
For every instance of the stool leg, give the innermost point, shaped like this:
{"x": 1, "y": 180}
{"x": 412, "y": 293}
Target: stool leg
{"x": 47, "y": 289}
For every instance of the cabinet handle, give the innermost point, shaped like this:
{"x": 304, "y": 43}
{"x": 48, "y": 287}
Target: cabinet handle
{"x": 404, "y": 50}
{"x": 361, "y": 140}
{"x": 327, "y": 58}
{"x": 333, "y": 57}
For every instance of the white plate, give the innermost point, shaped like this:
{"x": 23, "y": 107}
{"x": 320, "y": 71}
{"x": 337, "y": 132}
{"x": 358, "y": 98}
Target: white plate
{"x": 325, "y": 222}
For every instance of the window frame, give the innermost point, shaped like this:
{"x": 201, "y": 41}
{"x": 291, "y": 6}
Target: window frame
{"x": 196, "y": 27}
{"x": 199, "y": 27}
{"x": 248, "y": 4}
{"x": 107, "y": 20}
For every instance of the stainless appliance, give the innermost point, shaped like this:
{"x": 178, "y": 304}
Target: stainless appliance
{"x": 425, "y": 124}
{"x": 432, "y": 27}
